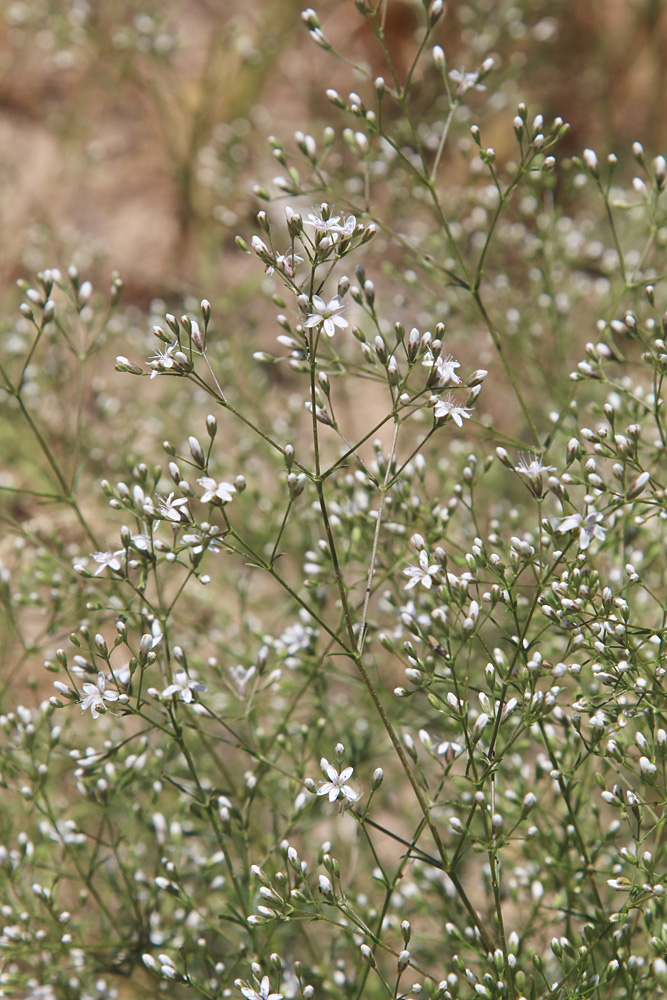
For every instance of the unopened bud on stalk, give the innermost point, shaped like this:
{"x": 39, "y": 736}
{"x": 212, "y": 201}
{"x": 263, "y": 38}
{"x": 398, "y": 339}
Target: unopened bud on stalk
{"x": 197, "y": 452}
{"x": 439, "y": 59}
{"x": 591, "y": 162}
{"x": 435, "y": 12}
{"x": 197, "y": 337}
{"x": 414, "y": 339}
{"x": 381, "y": 349}
{"x": 638, "y": 486}
{"x": 367, "y": 955}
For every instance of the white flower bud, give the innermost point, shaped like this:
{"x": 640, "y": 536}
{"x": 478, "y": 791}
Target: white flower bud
{"x": 591, "y": 162}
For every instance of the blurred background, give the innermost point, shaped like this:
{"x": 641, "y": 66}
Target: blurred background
{"x": 132, "y": 131}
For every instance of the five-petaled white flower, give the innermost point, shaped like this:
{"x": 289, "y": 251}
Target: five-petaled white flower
{"x": 533, "y": 469}
{"x": 531, "y": 465}
{"x": 327, "y": 315}
{"x": 95, "y": 695}
{"x": 449, "y": 409}
{"x": 423, "y": 573}
{"x": 335, "y": 787}
{"x": 173, "y": 510}
{"x": 334, "y": 228}
{"x": 114, "y": 560}
{"x": 264, "y": 992}
{"x": 214, "y": 490}
{"x": 183, "y": 687}
{"x": 162, "y": 361}
{"x": 445, "y": 368}
{"x": 589, "y": 527}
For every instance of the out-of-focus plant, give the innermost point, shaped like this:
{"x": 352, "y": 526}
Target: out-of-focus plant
{"x": 363, "y": 689}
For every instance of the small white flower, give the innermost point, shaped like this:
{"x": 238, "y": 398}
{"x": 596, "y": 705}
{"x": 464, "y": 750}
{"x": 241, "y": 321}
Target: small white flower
{"x": 199, "y": 540}
{"x": 295, "y": 637}
{"x": 162, "y": 361}
{"x": 465, "y": 81}
{"x": 531, "y": 466}
{"x": 183, "y": 687}
{"x": 95, "y": 696}
{"x": 445, "y": 368}
{"x": 336, "y": 786}
{"x": 327, "y": 315}
{"x": 242, "y": 677}
{"x": 333, "y": 229}
{"x": 329, "y": 225}
{"x": 172, "y": 510}
{"x": 114, "y": 560}
{"x": 216, "y": 491}
{"x": 589, "y": 527}
{"x": 141, "y": 542}
{"x": 533, "y": 469}
{"x": 423, "y": 573}
{"x": 449, "y": 409}
{"x": 285, "y": 262}
{"x": 264, "y": 990}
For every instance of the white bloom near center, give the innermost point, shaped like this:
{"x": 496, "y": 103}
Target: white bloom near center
{"x": 336, "y": 786}
{"x": 95, "y": 696}
{"x": 183, "y": 687}
{"x": 327, "y": 315}
{"x": 423, "y": 573}
{"x": 214, "y": 490}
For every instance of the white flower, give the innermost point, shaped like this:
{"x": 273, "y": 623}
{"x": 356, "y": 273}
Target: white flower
{"x": 264, "y": 990}
{"x": 444, "y": 368}
{"x": 216, "y": 491}
{"x": 589, "y": 527}
{"x": 336, "y": 786}
{"x": 95, "y": 695}
{"x": 141, "y": 542}
{"x": 114, "y": 560}
{"x": 242, "y": 677}
{"x": 531, "y": 466}
{"x": 327, "y": 315}
{"x": 423, "y": 573}
{"x": 295, "y": 637}
{"x": 172, "y": 510}
{"x": 285, "y": 262}
{"x": 162, "y": 361}
{"x": 465, "y": 81}
{"x": 183, "y": 687}
{"x": 323, "y": 225}
{"x": 449, "y": 409}
{"x": 334, "y": 228}
{"x": 199, "y": 540}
